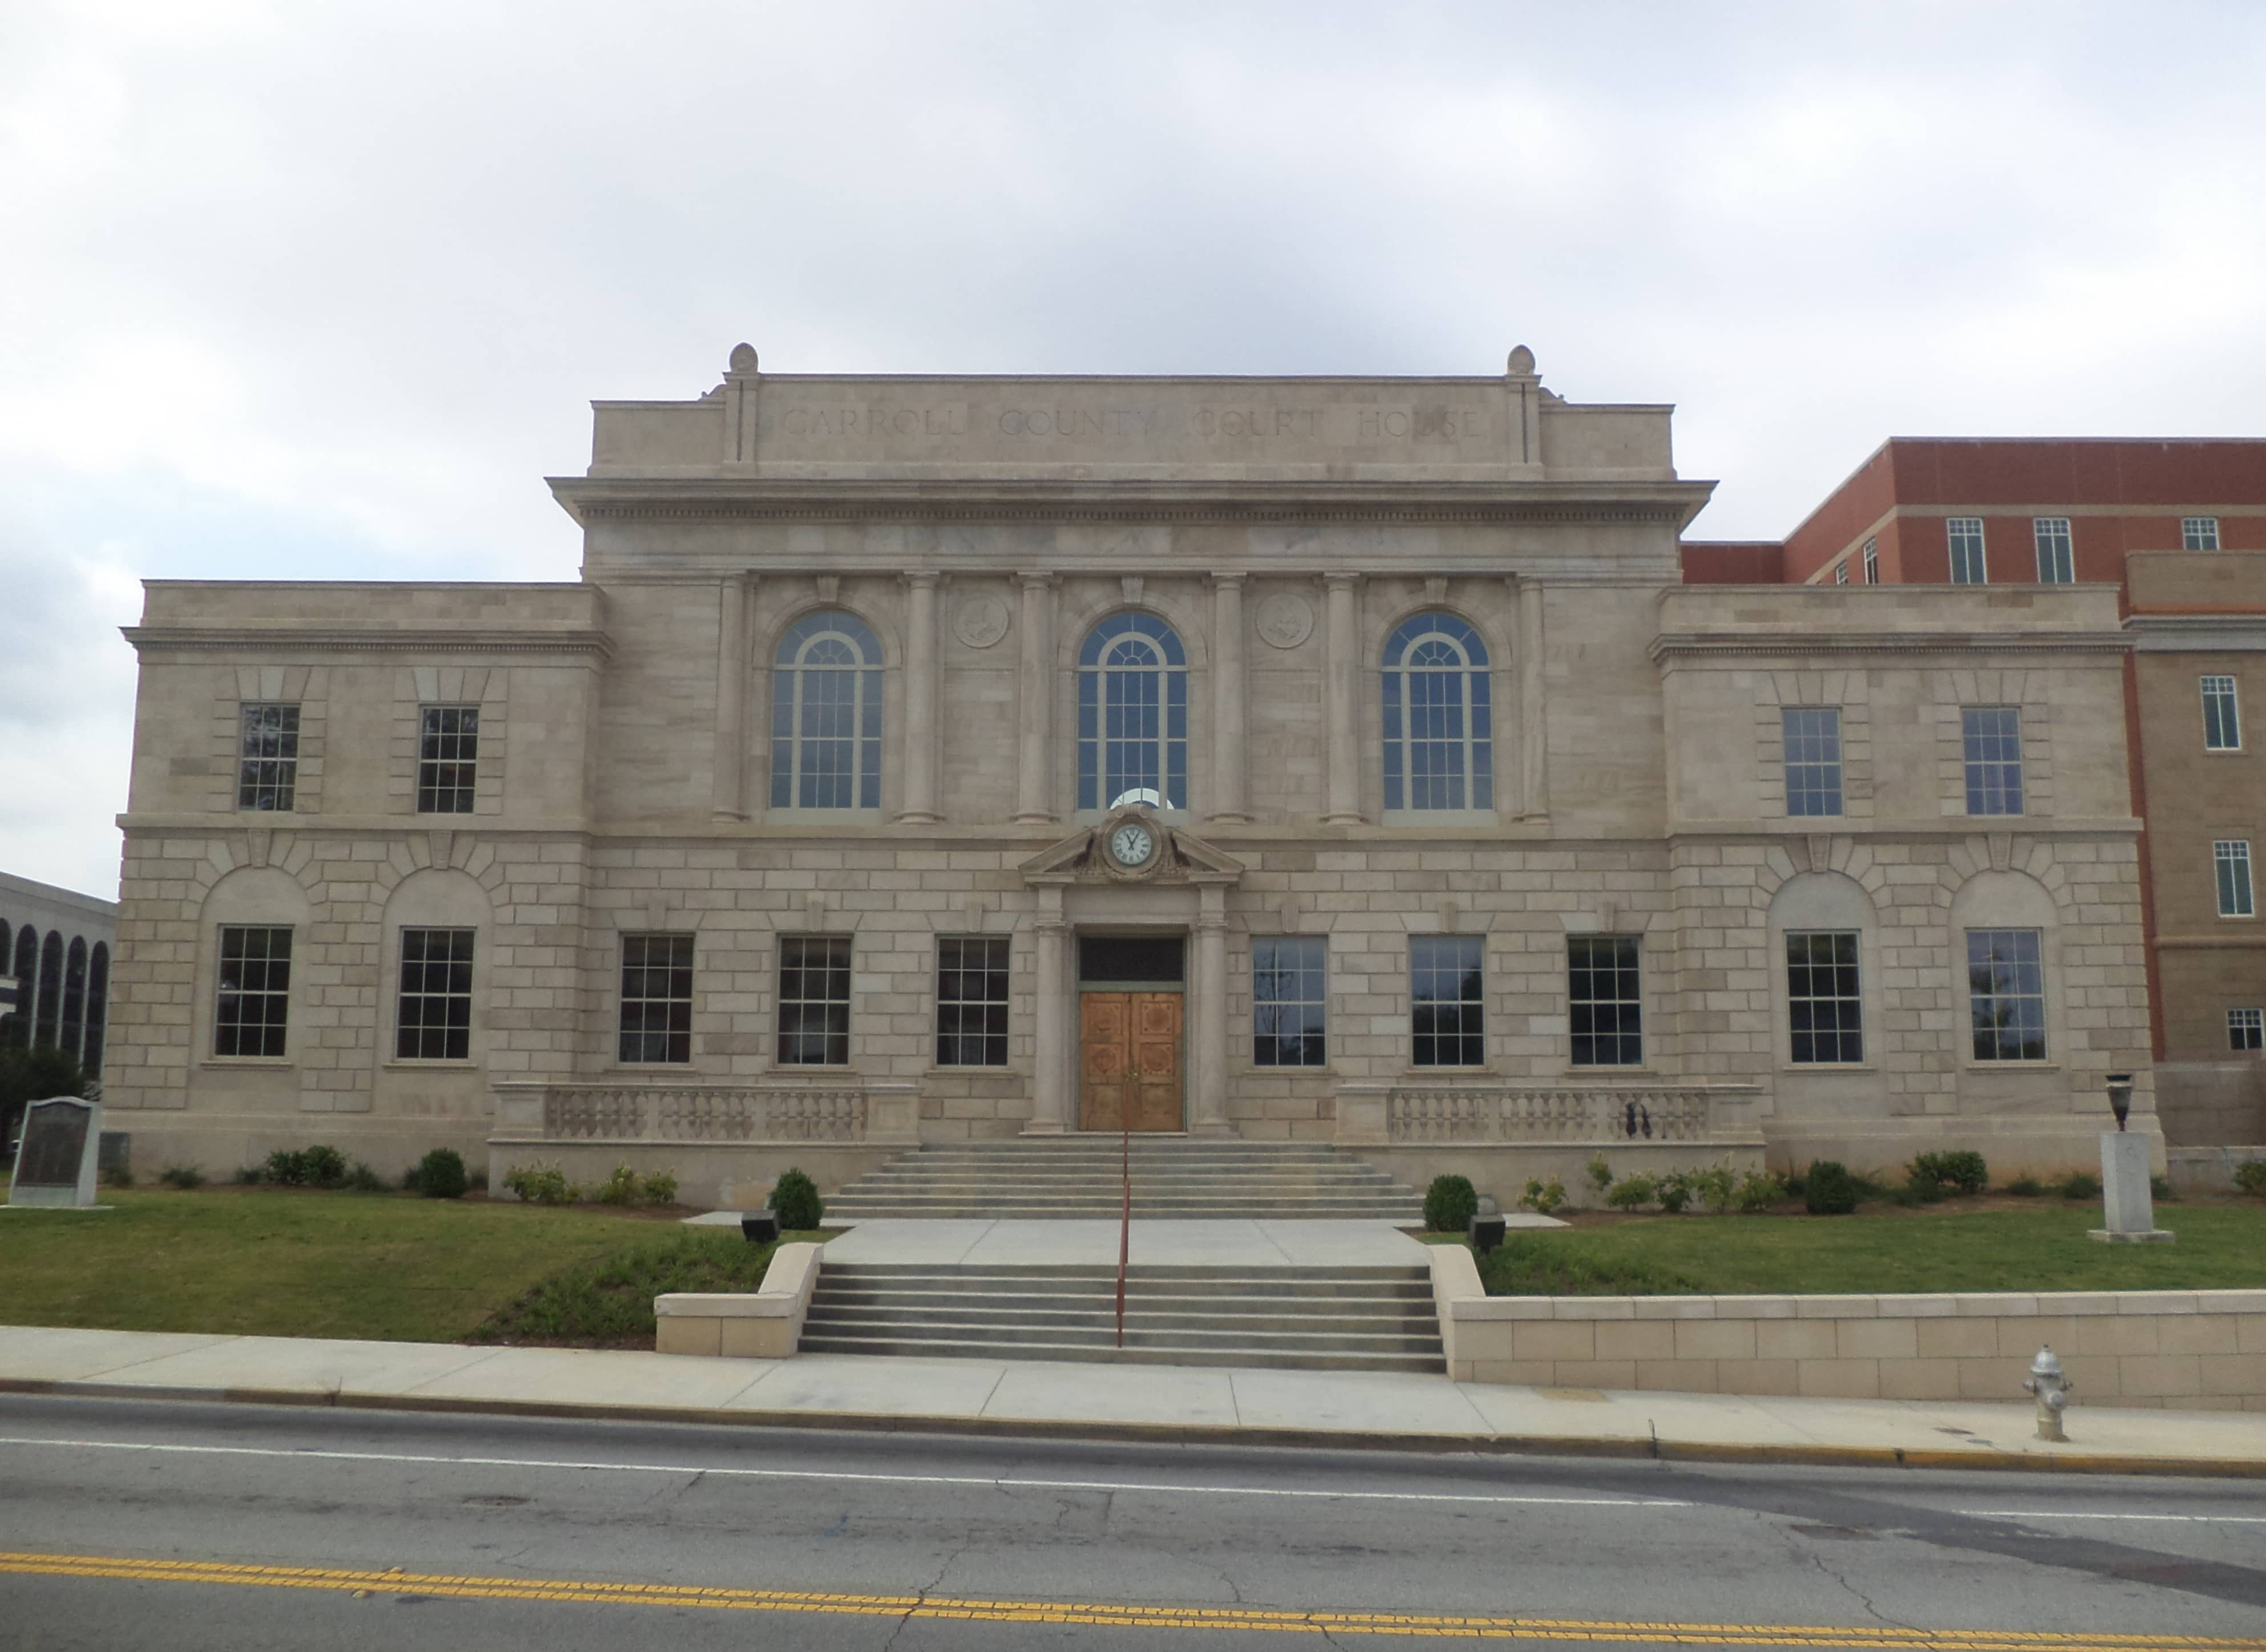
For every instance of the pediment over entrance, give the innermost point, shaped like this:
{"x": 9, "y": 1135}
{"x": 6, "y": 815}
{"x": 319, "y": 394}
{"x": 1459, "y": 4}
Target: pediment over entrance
{"x": 1178, "y": 857}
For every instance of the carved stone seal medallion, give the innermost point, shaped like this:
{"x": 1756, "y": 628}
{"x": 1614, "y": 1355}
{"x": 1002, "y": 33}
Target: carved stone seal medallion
{"x": 981, "y": 621}
{"x": 1285, "y": 620}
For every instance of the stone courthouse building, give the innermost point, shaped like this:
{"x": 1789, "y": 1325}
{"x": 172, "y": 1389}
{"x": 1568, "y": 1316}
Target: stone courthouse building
{"x": 1328, "y": 760}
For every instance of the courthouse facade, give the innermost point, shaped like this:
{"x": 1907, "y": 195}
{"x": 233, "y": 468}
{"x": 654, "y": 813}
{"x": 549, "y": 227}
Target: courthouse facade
{"x": 922, "y": 759}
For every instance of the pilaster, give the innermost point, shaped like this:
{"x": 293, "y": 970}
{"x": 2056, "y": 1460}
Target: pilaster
{"x": 1230, "y": 705}
{"x": 1344, "y": 667}
{"x": 1035, "y": 701}
{"x": 920, "y": 699}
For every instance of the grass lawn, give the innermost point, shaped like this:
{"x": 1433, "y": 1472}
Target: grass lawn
{"x": 281, "y": 1262}
{"x": 2040, "y": 1248}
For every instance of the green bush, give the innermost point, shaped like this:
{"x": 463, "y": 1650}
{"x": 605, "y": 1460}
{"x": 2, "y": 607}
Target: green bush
{"x": 1966, "y": 1171}
{"x": 286, "y": 1168}
{"x": 118, "y": 1176}
{"x": 38, "y": 1073}
{"x": 1542, "y": 1198}
{"x": 326, "y": 1168}
{"x": 796, "y": 1203}
{"x": 182, "y": 1176}
{"x": 621, "y": 1187}
{"x": 2027, "y": 1187}
{"x": 251, "y": 1175}
{"x": 1676, "y": 1190}
{"x": 1715, "y": 1188}
{"x": 2159, "y": 1189}
{"x": 1829, "y": 1189}
{"x": 1601, "y": 1173}
{"x": 2251, "y": 1178}
{"x": 362, "y": 1179}
{"x": 541, "y": 1184}
{"x": 1921, "y": 1187}
{"x": 2079, "y": 1185}
{"x": 1758, "y": 1191}
{"x": 1633, "y": 1191}
{"x": 659, "y": 1188}
{"x": 440, "y": 1174}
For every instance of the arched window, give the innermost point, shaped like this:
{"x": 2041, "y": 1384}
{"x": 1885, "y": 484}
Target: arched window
{"x": 1438, "y": 728}
{"x": 26, "y": 972}
{"x": 97, "y": 1009}
{"x": 49, "y": 1014}
{"x": 1132, "y": 715}
{"x": 74, "y": 1026}
{"x": 826, "y": 715}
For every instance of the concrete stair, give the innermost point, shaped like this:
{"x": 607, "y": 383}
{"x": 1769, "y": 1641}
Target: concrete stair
{"x": 1302, "y": 1318}
{"x": 1175, "y": 1178}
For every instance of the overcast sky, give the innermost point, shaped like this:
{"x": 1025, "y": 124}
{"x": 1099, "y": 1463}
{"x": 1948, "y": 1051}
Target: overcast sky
{"x": 310, "y": 291}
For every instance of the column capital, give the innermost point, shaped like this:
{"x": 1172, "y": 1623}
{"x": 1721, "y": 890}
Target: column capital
{"x": 1343, "y": 582}
{"x": 1034, "y": 578}
{"x": 1229, "y": 578}
{"x": 923, "y": 578}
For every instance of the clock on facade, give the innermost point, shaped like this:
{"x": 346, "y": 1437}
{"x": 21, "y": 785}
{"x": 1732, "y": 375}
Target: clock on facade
{"x": 1131, "y": 844}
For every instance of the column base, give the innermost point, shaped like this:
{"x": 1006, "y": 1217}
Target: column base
{"x": 1343, "y": 820}
{"x": 729, "y": 814}
{"x": 1021, "y": 819}
{"x": 919, "y": 817}
{"x": 1213, "y": 1128}
{"x": 1043, "y": 1127}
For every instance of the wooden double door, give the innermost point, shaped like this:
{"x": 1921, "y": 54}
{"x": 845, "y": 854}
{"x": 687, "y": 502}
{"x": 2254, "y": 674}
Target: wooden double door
{"x": 1129, "y": 1060}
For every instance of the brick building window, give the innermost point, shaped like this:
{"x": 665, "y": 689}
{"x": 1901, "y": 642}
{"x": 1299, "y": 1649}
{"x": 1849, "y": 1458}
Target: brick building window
{"x": 1872, "y": 562}
{"x": 971, "y": 1001}
{"x": 1824, "y": 1011}
{"x": 254, "y": 1007}
{"x": 1841, "y": 572}
{"x": 1968, "y": 566}
{"x": 1812, "y": 739}
{"x": 2222, "y": 715}
{"x": 1603, "y": 990}
{"x": 2245, "y": 1029}
{"x": 2230, "y": 858}
{"x": 434, "y": 1019}
{"x": 814, "y": 1001}
{"x": 447, "y": 759}
{"x": 2007, "y": 994}
{"x": 2056, "y": 563}
{"x": 2199, "y": 533}
{"x": 267, "y": 759}
{"x": 1290, "y": 998}
{"x": 1991, "y": 737}
{"x": 656, "y": 1021}
{"x": 1447, "y": 1014}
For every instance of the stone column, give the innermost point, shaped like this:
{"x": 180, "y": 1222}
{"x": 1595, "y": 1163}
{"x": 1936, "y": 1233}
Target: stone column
{"x": 1533, "y": 724}
{"x": 1228, "y": 708}
{"x": 1207, "y": 1040}
{"x": 1036, "y": 703}
{"x": 1050, "y": 1087}
{"x": 734, "y": 598}
{"x": 921, "y": 691}
{"x": 1343, "y": 703}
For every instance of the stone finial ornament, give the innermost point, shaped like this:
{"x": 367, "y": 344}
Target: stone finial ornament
{"x": 1522, "y": 361}
{"x": 743, "y": 358}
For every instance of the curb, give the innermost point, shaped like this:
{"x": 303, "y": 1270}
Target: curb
{"x": 1666, "y": 1450}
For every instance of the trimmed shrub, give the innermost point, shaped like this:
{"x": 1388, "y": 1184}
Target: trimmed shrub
{"x": 182, "y": 1176}
{"x": 1758, "y": 1191}
{"x": 1714, "y": 1188}
{"x": 1920, "y": 1187}
{"x": 251, "y": 1175}
{"x": 1542, "y": 1198}
{"x": 659, "y": 1188}
{"x": 2027, "y": 1187}
{"x": 1966, "y": 1171}
{"x": 2079, "y": 1185}
{"x": 286, "y": 1168}
{"x": 1633, "y": 1191}
{"x": 2251, "y": 1178}
{"x": 1829, "y": 1189}
{"x": 795, "y": 1201}
{"x": 621, "y": 1187}
{"x": 1675, "y": 1190}
{"x": 362, "y": 1179}
{"x": 541, "y": 1184}
{"x": 440, "y": 1174}
{"x": 326, "y": 1167}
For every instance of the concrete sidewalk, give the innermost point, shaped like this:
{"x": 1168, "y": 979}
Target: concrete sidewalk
{"x": 1352, "y": 1409}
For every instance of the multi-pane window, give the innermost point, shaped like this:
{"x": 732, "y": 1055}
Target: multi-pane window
{"x": 268, "y": 758}
{"x": 1438, "y": 722}
{"x": 1290, "y": 996}
{"x": 1824, "y": 1011}
{"x": 2222, "y": 715}
{"x": 1968, "y": 566}
{"x": 1132, "y": 715}
{"x": 656, "y": 998}
{"x": 1601, "y": 990}
{"x": 2007, "y": 994}
{"x": 2230, "y": 858}
{"x": 1991, "y": 738}
{"x": 826, "y": 715}
{"x": 1447, "y": 1015}
{"x": 2056, "y": 562}
{"x": 434, "y": 1021}
{"x": 2199, "y": 533}
{"x": 814, "y": 1001}
{"x": 1872, "y": 562}
{"x": 1812, "y": 737}
{"x": 1841, "y": 572}
{"x": 971, "y": 1001}
{"x": 255, "y": 991}
{"x": 447, "y": 759}
{"x": 2245, "y": 1029}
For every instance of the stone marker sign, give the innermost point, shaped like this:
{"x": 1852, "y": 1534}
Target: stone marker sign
{"x": 56, "y": 1160}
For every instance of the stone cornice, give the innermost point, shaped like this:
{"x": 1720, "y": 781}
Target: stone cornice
{"x": 296, "y": 639}
{"x": 1676, "y": 644}
{"x": 2197, "y": 633}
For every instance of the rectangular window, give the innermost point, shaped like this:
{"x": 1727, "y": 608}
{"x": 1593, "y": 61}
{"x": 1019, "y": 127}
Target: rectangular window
{"x": 2007, "y": 994}
{"x": 1446, "y": 1011}
{"x": 1601, "y": 990}
{"x": 447, "y": 759}
{"x": 2231, "y": 857}
{"x": 1992, "y": 739}
{"x": 2056, "y": 563}
{"x": 2199, "y": 533}
{"x": 267, "y": 766}
{"x": 2245, "y": 1029}
{"x": 255, "y": 991}
{"x": 1968, "y": 566}
{"x": 2222, "y": 716}
{"x": 814, "y": 1001}
{"x": 971, "y": 1001}
{"x": 656, "y": 998}
{"x": 1841, "y": 572}
{"x": 1823, "y": 1009}
{"x": 1812, "y": 739}
{"x": 1872, "y": 562}
{"x": 1289, "y": 997}
{"x": 435, "y": 1022}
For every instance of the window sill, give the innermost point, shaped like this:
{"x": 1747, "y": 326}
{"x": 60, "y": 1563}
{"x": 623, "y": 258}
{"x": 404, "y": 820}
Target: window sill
{"x": 440, "y": 1064}
{"x": 247, "y": 1061}
{"x": 1971, "y": 1065}
{"x": 1803, "y": 1068}
{"x": 1436, "y": 817}
{"x": 824, "y": 816}
{"x": 938, "y": 1071}
{"x": 635, "y": 1067}
{"x": 1443, "y": 1072}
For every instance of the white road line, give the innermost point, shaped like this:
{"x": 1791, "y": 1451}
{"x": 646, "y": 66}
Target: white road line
{"x": 987, "y": 1481}
{"x": 2066, "y": 1514}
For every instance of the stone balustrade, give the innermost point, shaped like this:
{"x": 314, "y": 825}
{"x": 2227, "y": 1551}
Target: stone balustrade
{"x": 848, "y": 1112}
{"x": 1419, "y": 1114}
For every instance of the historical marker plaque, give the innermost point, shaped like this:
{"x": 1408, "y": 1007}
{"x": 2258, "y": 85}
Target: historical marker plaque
{"x": 56, "y": 1160}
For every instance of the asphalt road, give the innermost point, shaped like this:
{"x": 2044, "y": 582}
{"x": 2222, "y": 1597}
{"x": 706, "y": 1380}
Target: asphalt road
{"x": 147, "y": 1523}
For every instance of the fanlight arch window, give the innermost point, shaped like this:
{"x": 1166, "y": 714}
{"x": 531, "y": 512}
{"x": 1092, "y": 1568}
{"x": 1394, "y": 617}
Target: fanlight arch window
{"x": 48, "y": 1019}
{"x": 1132, "y": 715}
{"x": 1439, "y": 725}
{"x": 826, "y": 715}
{"x": 27, "y": 982}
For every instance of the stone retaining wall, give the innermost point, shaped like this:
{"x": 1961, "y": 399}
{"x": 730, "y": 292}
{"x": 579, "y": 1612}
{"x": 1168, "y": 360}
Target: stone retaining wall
{"x": 765, "y": 1323}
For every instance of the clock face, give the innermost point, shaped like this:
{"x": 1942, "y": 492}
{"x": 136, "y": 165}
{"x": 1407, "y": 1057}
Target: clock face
{"x": 1130, "y": 845}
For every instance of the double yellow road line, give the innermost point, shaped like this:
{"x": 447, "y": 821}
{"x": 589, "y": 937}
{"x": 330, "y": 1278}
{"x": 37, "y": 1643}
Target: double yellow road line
{"x": 1258, "y": 1620}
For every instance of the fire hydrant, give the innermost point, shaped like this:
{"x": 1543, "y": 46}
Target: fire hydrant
{"x": 2051, "y": 1386}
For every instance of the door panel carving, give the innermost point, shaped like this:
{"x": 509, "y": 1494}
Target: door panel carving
{"x": 1129, "y": 1061}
